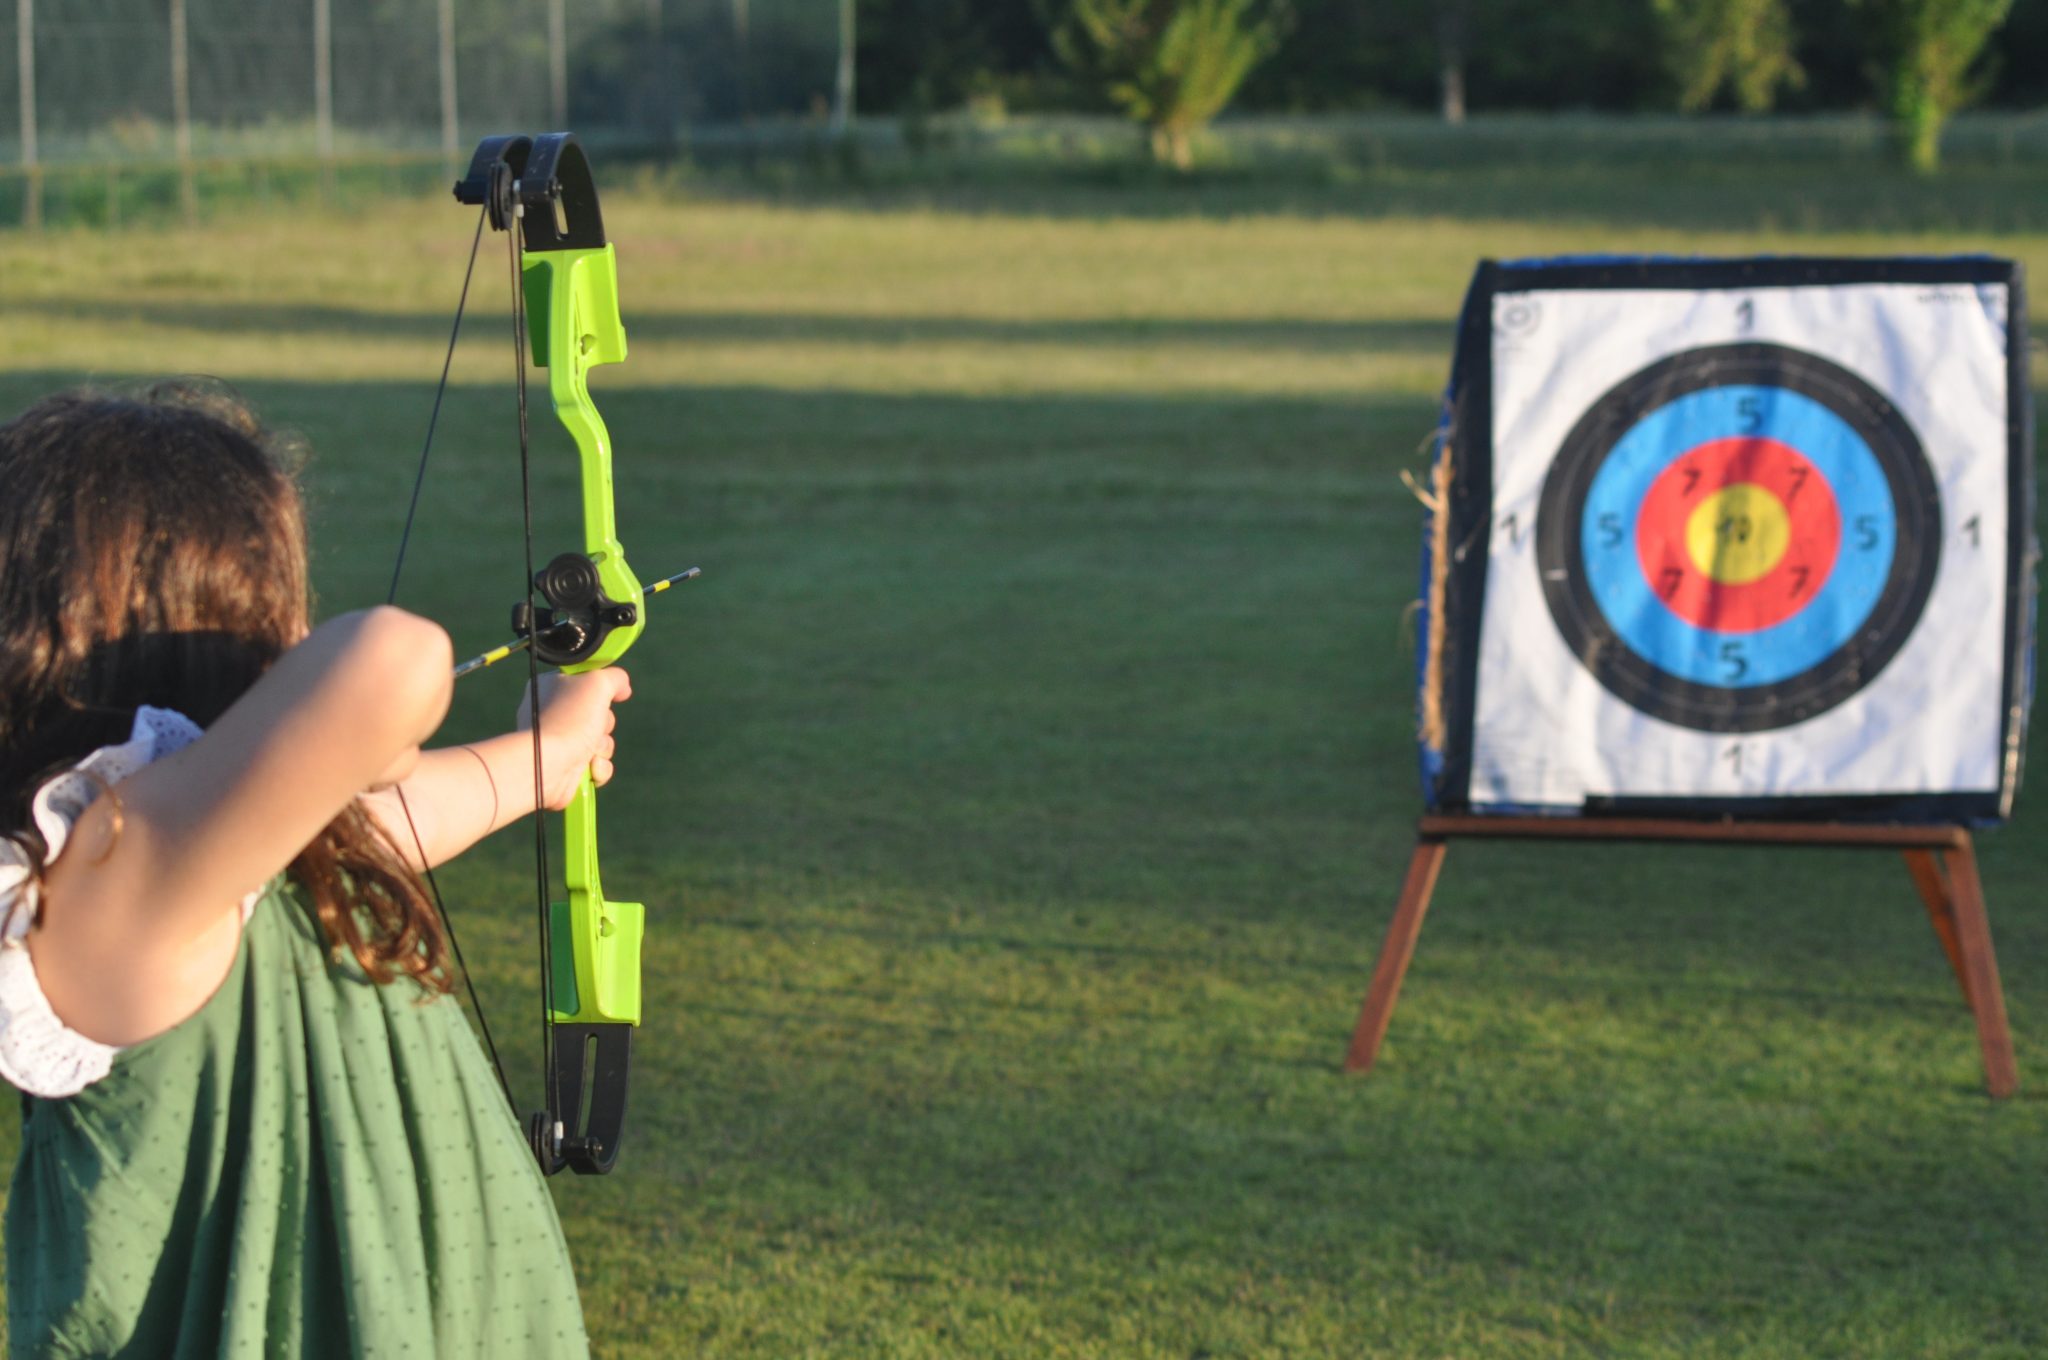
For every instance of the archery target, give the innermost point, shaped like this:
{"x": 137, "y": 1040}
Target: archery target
{"x": 1744, "y": 543}
{"x": 1690, "y": 537}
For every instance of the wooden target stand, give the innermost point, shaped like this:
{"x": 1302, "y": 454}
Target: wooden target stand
{"x": 1941, "y": 859}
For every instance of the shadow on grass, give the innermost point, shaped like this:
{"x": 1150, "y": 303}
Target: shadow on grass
{"x": 807, "y": 450}
{"x": 1406, "y": 336}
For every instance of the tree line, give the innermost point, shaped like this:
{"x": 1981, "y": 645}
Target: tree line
{"x": 1172, "y": 65}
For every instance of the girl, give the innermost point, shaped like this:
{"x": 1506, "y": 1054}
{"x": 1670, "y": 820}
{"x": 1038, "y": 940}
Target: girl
{"x": 256, "y": 1124}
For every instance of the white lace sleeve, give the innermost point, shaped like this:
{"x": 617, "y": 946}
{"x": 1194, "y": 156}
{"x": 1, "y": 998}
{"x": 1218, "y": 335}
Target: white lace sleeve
{"x": 37, "y": 1052}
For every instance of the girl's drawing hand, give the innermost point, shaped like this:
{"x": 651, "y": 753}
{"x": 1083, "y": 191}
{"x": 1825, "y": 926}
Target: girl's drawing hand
{"x": 575, "y": 729}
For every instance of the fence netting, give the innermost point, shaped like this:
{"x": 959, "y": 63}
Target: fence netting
{"x": 109, "y": 85}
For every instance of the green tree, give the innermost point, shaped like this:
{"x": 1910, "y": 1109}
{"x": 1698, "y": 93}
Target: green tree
{"x": 1928, "y": 48}
{"x": 1743, "y": 46}
{"x": 1173, "y": 65}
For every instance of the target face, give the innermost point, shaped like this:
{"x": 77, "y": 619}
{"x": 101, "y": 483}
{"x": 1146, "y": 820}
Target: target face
{"x": 1733, "y": 538}
{"x": 1738, "y": 537}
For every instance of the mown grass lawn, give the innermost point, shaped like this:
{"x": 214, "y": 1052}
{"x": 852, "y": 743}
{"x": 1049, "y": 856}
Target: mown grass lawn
{"x": 1021, "y": 793}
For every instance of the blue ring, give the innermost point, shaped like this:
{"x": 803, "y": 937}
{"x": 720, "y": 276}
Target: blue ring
{"x": 1843, "y": 604}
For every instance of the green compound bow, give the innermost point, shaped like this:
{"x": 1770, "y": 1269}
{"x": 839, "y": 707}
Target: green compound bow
{"x": 565, "y": 290}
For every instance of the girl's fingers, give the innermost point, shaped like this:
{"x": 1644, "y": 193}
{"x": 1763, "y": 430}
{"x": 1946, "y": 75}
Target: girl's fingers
{"x": 577, "y": 719}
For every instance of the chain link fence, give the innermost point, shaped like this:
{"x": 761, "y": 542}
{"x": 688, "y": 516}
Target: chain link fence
{"x": 114, "y": 107}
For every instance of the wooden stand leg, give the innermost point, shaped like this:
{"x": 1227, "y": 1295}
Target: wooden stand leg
{"x": 1934, "y": 891}
{"x": 1395, "y": 953}
{"x": 1980, "y": 968}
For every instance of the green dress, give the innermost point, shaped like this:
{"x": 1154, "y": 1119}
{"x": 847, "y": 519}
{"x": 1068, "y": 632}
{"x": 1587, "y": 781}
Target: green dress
{"x": 311, "y": 1166}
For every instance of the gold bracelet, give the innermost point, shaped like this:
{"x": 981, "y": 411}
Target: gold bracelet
{"x": 492, "y": 824}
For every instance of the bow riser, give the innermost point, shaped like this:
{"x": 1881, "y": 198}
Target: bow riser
{"x": 573, "y": 295}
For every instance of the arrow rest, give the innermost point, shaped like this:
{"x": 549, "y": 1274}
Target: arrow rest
{"x": 579, "y": 616}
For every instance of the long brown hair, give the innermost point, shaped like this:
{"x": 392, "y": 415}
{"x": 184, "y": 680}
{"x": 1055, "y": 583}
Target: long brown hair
{"x": 153, "y": 551}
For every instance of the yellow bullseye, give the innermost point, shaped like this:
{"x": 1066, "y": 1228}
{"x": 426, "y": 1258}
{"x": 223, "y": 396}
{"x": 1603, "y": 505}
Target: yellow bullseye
{"x": 1738, "y": 534}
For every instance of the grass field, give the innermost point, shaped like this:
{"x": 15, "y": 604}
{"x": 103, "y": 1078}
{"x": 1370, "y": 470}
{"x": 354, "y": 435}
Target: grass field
{"x": 1021, "y": 794}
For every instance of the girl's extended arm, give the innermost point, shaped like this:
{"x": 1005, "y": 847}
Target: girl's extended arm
{"x": 458, "y": 795}
{"x": 140, "y": 917}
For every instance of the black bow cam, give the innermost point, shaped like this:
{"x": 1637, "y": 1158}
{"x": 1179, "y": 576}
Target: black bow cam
{"x": 542, "y": 182}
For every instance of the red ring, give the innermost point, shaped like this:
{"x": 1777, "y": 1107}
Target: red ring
{"x": 1779, "y": 593}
